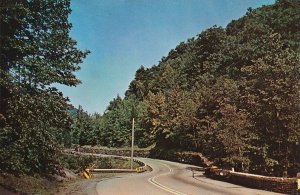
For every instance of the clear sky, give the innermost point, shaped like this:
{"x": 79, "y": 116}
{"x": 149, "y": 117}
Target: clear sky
{"x": 122, "y": 35}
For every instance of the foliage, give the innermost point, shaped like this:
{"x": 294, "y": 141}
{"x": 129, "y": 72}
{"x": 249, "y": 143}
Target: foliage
{"x": 78, "y": 163}
{"x": 36, "y": 52}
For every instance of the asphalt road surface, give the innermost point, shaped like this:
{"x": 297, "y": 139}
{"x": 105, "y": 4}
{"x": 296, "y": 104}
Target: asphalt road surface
{"x": 170, "y": 178}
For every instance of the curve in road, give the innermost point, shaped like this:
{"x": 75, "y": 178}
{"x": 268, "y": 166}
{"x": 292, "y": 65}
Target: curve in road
{"x": 161, "y": 186}
{"x": 169, "y": 178}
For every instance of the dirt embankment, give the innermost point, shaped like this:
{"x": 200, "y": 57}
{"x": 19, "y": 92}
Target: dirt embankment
{"x": 26, "y": 184}
{"x": 11, "y": 185}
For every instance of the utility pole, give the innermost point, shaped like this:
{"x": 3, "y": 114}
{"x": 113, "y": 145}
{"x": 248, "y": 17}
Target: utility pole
{"x": 132, "y": 143}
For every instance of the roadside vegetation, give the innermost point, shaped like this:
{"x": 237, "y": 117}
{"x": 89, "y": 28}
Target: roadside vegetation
{"x": 75, "y": 164}
{"x": 26, "y": 184}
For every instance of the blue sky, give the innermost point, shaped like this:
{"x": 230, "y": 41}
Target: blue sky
{"x": 122, "y": 35}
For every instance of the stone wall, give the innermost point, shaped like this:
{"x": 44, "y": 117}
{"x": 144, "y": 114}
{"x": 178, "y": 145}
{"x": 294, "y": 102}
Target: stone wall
{"x": 113, "y": 151}
{"x": 275, "y": 184}
{"x": 193, "y": 158}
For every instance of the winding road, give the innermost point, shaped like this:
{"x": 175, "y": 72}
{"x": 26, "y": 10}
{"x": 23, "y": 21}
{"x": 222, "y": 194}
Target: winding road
{"x": 169, "y": 178}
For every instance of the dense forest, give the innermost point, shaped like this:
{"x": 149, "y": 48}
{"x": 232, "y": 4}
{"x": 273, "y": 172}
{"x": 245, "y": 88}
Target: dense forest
{"x": 230, "y": 93}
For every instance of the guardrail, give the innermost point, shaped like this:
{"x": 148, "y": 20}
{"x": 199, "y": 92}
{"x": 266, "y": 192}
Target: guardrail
{"x": 113, "y": 170}
{"x": 143, "y": 167}
{"x": 87, "y": 172}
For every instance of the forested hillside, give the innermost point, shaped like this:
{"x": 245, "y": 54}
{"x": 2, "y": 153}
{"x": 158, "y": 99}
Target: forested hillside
{"x": 230, "y": 93}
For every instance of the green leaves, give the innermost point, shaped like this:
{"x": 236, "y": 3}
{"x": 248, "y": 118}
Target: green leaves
{"x": 36, "y": 52}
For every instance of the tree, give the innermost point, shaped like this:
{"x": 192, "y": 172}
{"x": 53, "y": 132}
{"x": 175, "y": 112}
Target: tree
{"x": 116, "y": 123}
{"x": 36, "y": 52}
{"x": 272, "y": 90}
{"x": 83, "y": 131}
{"x": 154, "y": 123}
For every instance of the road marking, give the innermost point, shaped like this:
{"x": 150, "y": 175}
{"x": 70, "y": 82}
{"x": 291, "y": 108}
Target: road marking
{"x": 163, "y": 187}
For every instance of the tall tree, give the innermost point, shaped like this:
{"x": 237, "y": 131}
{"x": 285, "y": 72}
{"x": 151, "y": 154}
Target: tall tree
{"x": 36, "y": 52}
{"x": 272, "y": 89}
